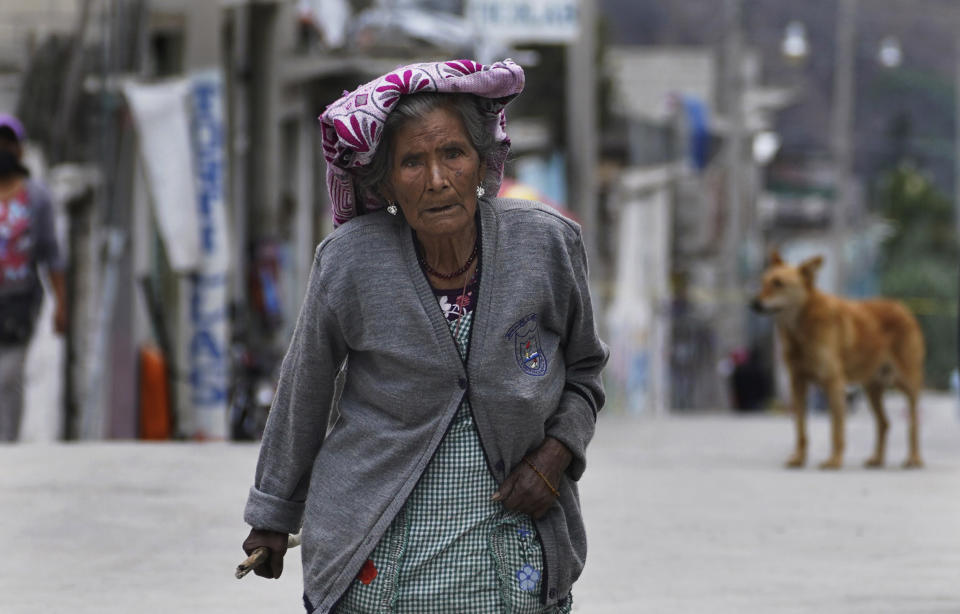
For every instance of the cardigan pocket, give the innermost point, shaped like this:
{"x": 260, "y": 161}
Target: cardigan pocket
{"x": 518, "y": 558}
{"x": 375, "y": 587}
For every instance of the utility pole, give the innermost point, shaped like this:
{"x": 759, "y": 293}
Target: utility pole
{"x": 956, "y": 156}
{"x": 583, "y": 125}
{"x": 240, "y": 120}
{"x": 732, "y": 318}
{"x": 72, "y": 88}
{"x": 956, "y": 162}
{"x": 841, "y": 138}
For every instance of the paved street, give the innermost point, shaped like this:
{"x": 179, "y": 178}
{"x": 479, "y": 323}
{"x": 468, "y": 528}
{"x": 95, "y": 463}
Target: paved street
{"x": 685, "y": 514}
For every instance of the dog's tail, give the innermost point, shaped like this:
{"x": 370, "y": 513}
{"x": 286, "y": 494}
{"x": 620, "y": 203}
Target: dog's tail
{"x": 907, "y": 344}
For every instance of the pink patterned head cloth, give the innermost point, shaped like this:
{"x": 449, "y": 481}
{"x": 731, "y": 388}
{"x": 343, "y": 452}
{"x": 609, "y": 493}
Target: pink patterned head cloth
{"x": 353, "y": 125}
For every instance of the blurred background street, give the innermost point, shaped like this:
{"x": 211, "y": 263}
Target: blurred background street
{"x": 688, "y": 138}
{"x": 179, "y": 141}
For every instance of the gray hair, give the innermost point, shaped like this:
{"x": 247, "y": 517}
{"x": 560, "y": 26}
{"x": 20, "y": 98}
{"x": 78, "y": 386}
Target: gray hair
{"x": 372, "y": 177}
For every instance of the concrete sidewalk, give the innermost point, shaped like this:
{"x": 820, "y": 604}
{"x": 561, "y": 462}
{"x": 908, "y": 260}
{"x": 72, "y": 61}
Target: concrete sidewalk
{"x": 685, "y": 514}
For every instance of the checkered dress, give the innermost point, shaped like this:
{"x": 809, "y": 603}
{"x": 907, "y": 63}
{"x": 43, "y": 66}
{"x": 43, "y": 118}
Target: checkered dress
{"x": 451, "y": 550}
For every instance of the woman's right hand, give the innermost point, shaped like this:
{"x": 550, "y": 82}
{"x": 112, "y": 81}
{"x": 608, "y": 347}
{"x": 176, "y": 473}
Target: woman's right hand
{"x": 275, "y": 542}
{"x": 533, "y": 491}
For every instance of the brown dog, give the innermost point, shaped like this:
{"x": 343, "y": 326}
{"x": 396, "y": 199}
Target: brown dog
{"x": 832, "y": 342}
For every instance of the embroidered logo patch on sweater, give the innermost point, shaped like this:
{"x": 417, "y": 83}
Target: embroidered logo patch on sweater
{"x": 526, "y": 345}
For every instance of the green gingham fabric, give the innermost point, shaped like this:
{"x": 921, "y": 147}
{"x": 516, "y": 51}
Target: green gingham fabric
{"x": 451, "y": 550}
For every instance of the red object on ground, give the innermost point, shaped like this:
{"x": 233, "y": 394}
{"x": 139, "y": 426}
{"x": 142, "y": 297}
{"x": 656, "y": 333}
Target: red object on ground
{"x": 154, "y": 397}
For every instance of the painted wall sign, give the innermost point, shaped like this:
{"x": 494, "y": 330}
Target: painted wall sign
{"x": 208, "y": 334}
{"x": 543, "y": 21}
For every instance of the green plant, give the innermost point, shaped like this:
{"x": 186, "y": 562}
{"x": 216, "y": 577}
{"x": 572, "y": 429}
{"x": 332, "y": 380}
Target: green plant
{"x": 918, "y": 263}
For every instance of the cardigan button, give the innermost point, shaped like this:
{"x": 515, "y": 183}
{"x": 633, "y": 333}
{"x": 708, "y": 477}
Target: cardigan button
{"x": 499, "y": 466}
{"x": 552, "y": 593}
{"x": 462, "y": 382}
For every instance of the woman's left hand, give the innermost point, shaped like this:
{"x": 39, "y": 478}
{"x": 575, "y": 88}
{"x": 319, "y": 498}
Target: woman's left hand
{"x": 527, "y": 492}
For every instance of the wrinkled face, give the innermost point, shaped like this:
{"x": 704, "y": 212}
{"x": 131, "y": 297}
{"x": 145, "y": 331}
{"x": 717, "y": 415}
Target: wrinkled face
{"x": 783, "y": 287}
{"x": 434, "y": 174}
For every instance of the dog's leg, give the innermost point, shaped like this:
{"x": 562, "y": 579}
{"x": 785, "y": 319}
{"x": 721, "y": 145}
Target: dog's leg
{"x": 913, "y": 456}
{"x": 837, "y": 398}
{"x": 798, "y": 399}
{"x": 874, "y": 392}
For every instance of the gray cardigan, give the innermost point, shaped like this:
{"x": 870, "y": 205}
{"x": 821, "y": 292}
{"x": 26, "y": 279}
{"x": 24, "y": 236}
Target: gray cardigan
{"x": 533, "y": 370}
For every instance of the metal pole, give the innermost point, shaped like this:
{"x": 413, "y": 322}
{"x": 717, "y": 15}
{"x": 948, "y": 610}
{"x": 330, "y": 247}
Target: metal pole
{"x": 956, "y": 162}
{"x": 732, "y": 98}
{"x": 239, "y": 150}
{"x": 72, "y": 87}
{"x": 842, "y": 134}
{"x": 582, "y": 128}
{"x": 956, "y": 156}
{"x": 264, "y": 55}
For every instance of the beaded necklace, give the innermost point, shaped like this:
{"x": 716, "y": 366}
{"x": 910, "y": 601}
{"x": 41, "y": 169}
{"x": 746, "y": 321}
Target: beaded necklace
{"x": 432, "y": 271}
{"x": 466, "y": 280}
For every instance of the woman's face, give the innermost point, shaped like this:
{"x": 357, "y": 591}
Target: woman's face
{"x": 434, "y": 174}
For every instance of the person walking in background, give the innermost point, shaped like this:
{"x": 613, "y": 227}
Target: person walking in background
{"x": 472, "y": 368}
{"x": 27, "y": 239}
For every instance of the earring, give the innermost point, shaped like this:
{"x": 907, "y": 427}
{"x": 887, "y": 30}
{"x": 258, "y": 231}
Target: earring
{"x": 392, "y": 208}
{"x": 480, "y": 191}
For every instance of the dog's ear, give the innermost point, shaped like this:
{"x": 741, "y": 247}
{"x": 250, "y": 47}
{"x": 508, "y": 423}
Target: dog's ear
{"x": 774, "y": 258}
{"x": 810, "y": 266}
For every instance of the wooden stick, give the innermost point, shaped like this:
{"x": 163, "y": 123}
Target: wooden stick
{"x": 259, "y": 556}
{"x": 256, "y": 558}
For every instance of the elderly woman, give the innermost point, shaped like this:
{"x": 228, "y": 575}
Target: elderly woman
{"x": 465, "y": 332}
